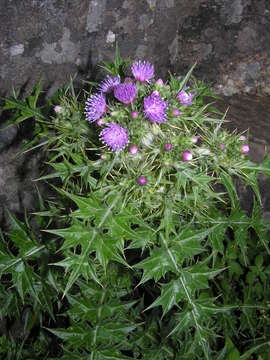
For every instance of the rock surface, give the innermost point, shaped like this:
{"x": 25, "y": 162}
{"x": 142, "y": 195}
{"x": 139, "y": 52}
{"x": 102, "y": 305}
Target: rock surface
{"x": 229, "y": 39}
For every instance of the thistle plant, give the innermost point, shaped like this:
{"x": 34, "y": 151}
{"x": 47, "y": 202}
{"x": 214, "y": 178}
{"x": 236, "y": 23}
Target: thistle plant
{"x": 144, "y": 251}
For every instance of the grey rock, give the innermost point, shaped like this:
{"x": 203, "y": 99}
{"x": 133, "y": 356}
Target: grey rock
{"x": 95, "y": 15}
{"x": 58, "y": 39}
{"x": 232, "y": 11}
{"x": 7, "y": 136}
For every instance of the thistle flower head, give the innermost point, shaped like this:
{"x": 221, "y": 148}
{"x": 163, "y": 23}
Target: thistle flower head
{"x": 114, "y": 136}
{"x": 95, "y": 107}
{"x": 185, "y": 98}
{"x": 142, "y": 181}
{"x": 143, "y": 71}
{"x": 176, "y": 112}
{"x": 108, "y": 84}
{"x": 222, "y": 146}
{"x": 154, "y": 108}
{"x": 125, "y": 93}
{"x": 168, "y": 147}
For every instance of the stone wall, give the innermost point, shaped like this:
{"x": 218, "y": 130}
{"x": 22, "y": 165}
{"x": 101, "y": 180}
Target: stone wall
{"x": 229, "y": 39}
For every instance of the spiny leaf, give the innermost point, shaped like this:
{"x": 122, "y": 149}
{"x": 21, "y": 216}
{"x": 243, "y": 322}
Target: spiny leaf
{"x": 155, "y": 266}
{"x": 73, "y": 263}
{"x": 76, "y": 235}
{"x": 194, "y": 277}
{"x": 229, "y": 185}
{"x": 260, "y": 227}
{"x": 107, "y": 248}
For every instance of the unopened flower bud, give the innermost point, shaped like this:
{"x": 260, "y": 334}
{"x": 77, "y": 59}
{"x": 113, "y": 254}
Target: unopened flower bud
{"x": 245, "y": 149}
{"x": 134, "y": 114}
{"x": 133, "y": 149}
{"x": 159, "y": 82}
{"x": 168, "y": 147}
{"x": 57, "y": 109}
{"x": 100, "y": 122}
{"x": 187, "y": 156}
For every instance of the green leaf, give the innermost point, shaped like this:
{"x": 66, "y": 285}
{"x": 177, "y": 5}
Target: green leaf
{"x": 155, "y": 266}
{"x": 82, "y": 266}
{"x": 229, "y": 185}
{"x": 260, "y": 226}
{"x": 77, "y": 265}
{"x": 184, "y": 320}
{"x": 192, "y": 279}
{"x": 76, "y": 235}
{"x": 88, "y": 207}
{"x": 232, "y": 352}
{"x": 19, "y": 235}
{"x": 106, "y": 249}
{"x": 216, "y": 237}
{"x": 186, "y": 78}
{"x": 240, "y": 224}
{"x": 171, "y": 294}
{"x": 121, "y": 227}
{"x": 188, "y": 242}
{"x": 253, "y": 350}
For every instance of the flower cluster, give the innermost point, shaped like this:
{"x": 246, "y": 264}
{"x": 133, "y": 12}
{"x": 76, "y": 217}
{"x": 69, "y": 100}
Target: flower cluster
{"x": 138, "y": 99}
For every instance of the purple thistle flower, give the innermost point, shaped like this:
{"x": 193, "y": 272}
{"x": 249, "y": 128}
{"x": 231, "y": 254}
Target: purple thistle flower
{"x": 222, "y": 146}
{"x": 108, "y": 84}
{"x": 154, "y": 108}
{"x": 143, "y": 71}
{"x": 114, "y": 136}
{"x": 168, "y": 147}
{"x": 185, "y": 98}
{"x": 95, "y": 107}
{"x": 126, "y": 93}
{"x": 176, "y": 112}
{"x": 142, "y": 181}
{"x": 195, "y": 139}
